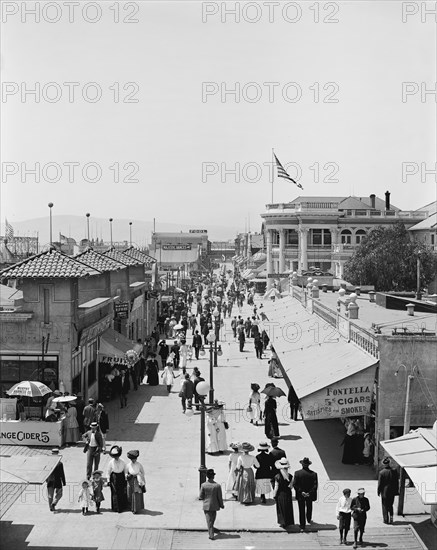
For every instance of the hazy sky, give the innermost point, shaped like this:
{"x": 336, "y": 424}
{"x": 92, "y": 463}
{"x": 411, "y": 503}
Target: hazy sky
{"x": 327, "y": 95}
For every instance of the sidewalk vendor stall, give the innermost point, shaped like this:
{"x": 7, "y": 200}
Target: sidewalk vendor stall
{"x": 22, "y": 421}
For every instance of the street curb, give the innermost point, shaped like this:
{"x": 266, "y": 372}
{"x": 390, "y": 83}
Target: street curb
{"x": 234, "y": 530}
{"x": 419, "y": 540}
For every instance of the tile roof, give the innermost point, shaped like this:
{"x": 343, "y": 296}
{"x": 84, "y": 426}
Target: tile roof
{"x": 121, "y": 257}
{"x": 99, "y": 261}
{"x": 139, "y": 255}
{"x": 317, "y": 198}
{"x": 49, "y": 264}
{"x": 364, "y": 204}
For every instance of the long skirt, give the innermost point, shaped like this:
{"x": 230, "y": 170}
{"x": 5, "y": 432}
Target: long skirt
{"x": 263, "y": 486}
{"x": 246, "y": 486}
{"x": 117, "y": 483}
{"x": 72, "y": 435}
{"x": 284, "y": 508}
{"x": 271, "y": 428}
{"x": 134, "y": 495}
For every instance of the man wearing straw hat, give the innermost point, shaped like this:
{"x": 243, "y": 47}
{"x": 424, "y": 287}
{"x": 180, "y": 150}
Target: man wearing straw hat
{"x": 55, "y": 482}
{"x": 211, "y": 494}
{"x": 305, "y": 484}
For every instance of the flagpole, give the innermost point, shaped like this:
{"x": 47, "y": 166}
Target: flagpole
{"x": 273, "y": 170}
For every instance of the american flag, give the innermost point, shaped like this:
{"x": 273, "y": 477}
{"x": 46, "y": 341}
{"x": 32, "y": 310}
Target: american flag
{"x": 9, "y": 230}
{"x": 282, "y": 173}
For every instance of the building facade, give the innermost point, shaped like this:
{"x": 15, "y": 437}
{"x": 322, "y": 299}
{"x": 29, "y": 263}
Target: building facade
{"x": 323, "y": 232}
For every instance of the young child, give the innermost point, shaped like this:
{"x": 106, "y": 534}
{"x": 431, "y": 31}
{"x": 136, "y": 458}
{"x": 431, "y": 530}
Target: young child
{"x": 85, "y": 497}
{"x": 97, "y": 485}
{"x": 168, "y": 376}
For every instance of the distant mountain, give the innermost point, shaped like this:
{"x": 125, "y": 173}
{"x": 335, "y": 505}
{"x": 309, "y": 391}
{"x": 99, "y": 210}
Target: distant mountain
{"x": 76, "y": 227}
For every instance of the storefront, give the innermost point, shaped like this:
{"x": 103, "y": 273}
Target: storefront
{"x": 16, "y": 367}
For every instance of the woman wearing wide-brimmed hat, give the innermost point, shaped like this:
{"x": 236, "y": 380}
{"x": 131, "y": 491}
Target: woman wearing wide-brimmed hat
{"x": 245, "y": 482}
{"x": 216, "y": 427}
{"x": 117, "y": 480}
{"x": 263, "y": 474}
{"x": 136, "y": 482}
{"x": 271, "y": 428}
{"x": 254, "y": 407}
{"x": 282, "y": 493}
{"x": 233, "y": 459}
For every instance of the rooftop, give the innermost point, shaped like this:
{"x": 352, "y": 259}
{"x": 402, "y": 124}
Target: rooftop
{"x": 121, "y": 257}
{"x": 139, "y": 255}
{"x": 49, "y": 264}
{"x": 99, "y": 261}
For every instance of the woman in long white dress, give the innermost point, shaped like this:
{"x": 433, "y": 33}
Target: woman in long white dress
{"x": 255, "y": 404}
{"x": 72, "y": 435}
{"x": 183, "y": 351}
{"x": 215, "y": 423}
{"x": 232, "y": 476}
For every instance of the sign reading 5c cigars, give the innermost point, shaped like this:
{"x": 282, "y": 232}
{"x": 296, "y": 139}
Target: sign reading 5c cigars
{"x": 351, "y": 396}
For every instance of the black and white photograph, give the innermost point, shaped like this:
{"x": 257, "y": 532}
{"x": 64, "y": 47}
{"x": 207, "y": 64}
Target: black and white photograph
{"x": 218, "y": 274}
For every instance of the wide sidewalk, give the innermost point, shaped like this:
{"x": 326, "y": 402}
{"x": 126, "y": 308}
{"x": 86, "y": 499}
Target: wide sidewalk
{"x": 169, "y": 445}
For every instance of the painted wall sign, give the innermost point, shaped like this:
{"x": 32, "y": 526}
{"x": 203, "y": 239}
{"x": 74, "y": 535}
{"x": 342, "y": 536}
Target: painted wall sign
{"x": 198, "y": 231}
{"x": 351, "y": 396}
{"x": 121, "y": 309}
{"x": 179, "y": 246}
{"x": 14, "y": 432}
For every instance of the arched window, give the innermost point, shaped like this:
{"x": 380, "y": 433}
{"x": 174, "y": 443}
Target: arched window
{"x": 359, "y": 235}
{"x": 346, "y": 236}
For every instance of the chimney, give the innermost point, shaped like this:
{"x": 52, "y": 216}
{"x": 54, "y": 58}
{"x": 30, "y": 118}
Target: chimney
{"x": 387, "y": 200}
{"x": 372, "y": 201}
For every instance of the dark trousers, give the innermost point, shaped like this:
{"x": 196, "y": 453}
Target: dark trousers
{"x": 54, "y": 495}
{"x": 196, "y": 352}
{"x": 123, "y": 399}
{"x": 241, "y": 345}
{"x": 92, "y": 458}
{"x": 176, "y": 361}
{"x": 387, "y": 507}
{"x": 308, "y": 505}
{"x": 294, "y": 408}
{"x": 186, "y": 402}
{"x": 210, "y": 519}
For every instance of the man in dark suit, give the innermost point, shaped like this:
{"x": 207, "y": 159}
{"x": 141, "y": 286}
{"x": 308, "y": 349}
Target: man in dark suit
{"x": 305, "y": 484}
{"x": 388, "y": 488}
{"x": 175, "y": 349}
{"x": 93, "y": 448}
{"x": 197, "y": 343}
{"x": 275, "y": 454}
{"x": 89, "y": 414}
{"x": 55, "y": 481}
{"x": 122, "y": 387}
{"x": 211, "y": 494}
{"x": 360, "y": 506}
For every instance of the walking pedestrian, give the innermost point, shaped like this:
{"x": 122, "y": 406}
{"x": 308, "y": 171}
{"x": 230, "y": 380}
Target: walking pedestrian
{"x": 232, "y": 476}
{"x": 388, "y": 488}
{"x": 360, "y": 506}
{"x": 305, "y": 484}
{"x": 103, "y": 422}
{"x": 196, "y": 378}
{"x": 117, "y": 480}
{"x": 248, "y": 327}
{"x": 152, "y": 370}
{"x": 89, "y": 414}
{"x": 183, "y": 351}
{"x": 80, "y": 405}
{"x": 294, "y": 402}
{"x": 211, "y": 494}
{"x": 122, "y": 387}
{"x": 263, "y": 475}
{"x": 245, "y": 478}
{"x": 136, "y": 482}
{"x": 254, "y": 407}
{"x": 55, "y": 482}
{"x": 241, "y": 337}
{"x": 168, "y": 376}
{"x": 344, "y": 515}
{"x": 85, "y": 497}
{"x": 163, "y": 352}
{"x": 197, "y": 344}
{"x": 97, "y": 488}
{"x": 216, "y": 428}
{"x": 258, "y": 344}
{"x": 234, "y": 326}
{"x": 186, "y": 393}
{"x": 72, "y": 425}
{"x": 275, "y": 454}
{"x": 271, "y": 427}
{"x": 93, "y": 447}
{"x": 282, "y": 494}
{"x": 176, "y": 355}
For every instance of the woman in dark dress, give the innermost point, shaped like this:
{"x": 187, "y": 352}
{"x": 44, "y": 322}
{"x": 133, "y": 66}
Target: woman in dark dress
{"x": 263, "y": 475}
{"x": 152, "y": 370}
{"x": 282, "y": 494}
{"x": 271, "y": 428}
{"x": 117, "y": 480}
{"x": 163, "y": 351}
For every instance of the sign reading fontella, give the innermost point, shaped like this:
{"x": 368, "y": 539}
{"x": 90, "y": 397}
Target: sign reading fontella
{"x": 351, "y": 396}
{"x": 176, "y": 247}
{"x": 14, "y": 432}
{"x": 198, "y": 231}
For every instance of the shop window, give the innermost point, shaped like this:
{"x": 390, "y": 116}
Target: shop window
{"x": 76, "y": 385}
{"x": 10, "y": 370}
{"x": 321, "y": 237}
{"x": 292, "y": 238}
{"x": 346, "y": 237}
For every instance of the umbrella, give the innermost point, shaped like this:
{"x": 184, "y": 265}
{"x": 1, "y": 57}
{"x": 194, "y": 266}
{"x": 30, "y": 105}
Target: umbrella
{"x": 178, "y": 327}
{"x": 29, "y": 389}
{"x": 273, "y": 391}
{"x": 64, "y": 399}
{"x": 177, "y": 289}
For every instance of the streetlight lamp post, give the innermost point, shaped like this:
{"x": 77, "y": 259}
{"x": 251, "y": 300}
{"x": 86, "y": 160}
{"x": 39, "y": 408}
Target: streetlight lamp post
{"x": 202, "y": 389}
{"x": 110, "y": 229}
{"x": 418, "y": 293}
{"x": 88, "y": 227}
{"x": 212, "y": 341}
{"x": 130, "y": 233}
{"x": 50, "y": 205}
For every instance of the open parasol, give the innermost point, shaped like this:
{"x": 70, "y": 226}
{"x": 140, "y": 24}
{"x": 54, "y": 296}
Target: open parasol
{"x": 273, "y": 391}
{"x": 64, "y": 399}
{"x": 178, "y": 327}
{"x": 29, "y": 389}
